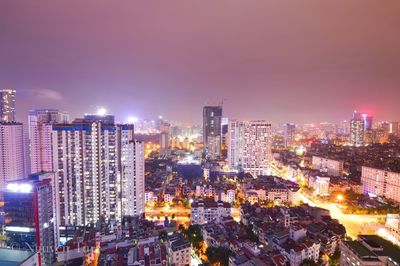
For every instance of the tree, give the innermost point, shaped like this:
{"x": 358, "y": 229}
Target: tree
{"x": 308, "y": 263}
{"x": 193, "y": 235}
{"x": 334, "y": 260}
{"x": 218, "y": 255}
{"x": 163, "y": 235}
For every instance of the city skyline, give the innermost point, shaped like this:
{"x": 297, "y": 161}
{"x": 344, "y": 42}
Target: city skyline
{"x": 282, "y": 62}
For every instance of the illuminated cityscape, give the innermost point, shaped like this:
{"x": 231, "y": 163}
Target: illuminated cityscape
{"x": 191, "y": 134}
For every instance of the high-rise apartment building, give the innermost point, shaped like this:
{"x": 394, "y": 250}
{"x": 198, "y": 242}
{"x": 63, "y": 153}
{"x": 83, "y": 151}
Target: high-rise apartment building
{"x": 132, "y": 179}
{"x": 212, "y": 131}
{"x": 289, "y": 131}
{"x": 12, "y": 150}
{"x": 31, "y": 223}
{"x": 380, "y": 182}
{"x": 165, "y": 138}
{"x": 394, "y": 128}
{"x": 89, "y": 159}
{"x": 235, "y": 141}
{"x": 7, "y": 105}
{"x": 250, "y": 146}
{"x": 367, "y": 119}
{"x": 357, "y": 130}
{"x": 40, "y": 124}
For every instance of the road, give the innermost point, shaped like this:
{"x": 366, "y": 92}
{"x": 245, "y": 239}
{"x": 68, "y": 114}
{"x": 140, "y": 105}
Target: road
{"x": 355, "y": 224}
{"x": 182, "y": 214}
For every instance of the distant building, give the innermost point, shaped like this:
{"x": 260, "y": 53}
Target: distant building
{"x": 381, "y": 183}
{"x": 357, "y": 130}
{"x": 7, "y": 105}
{"x": 165, "y": 138}
{"x": 289, "y": 131}
{"x": 202, "y": 212}
{"x": 394, "y": 128}
{"x": 12, "y": 159}
{"x": 212, "y": 131}
{"x": 367, "y": 121}
{"x": 31, "y": 210}
{"x": 326, "y": 165}
{"x": 40, "y": 123}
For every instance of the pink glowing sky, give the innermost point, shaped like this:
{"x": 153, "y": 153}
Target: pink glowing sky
{"x": 299, "y": 61}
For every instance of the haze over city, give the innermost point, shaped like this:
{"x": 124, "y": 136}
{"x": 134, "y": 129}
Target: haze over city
{"x": 297, "y": 61}
{"x": 200, "y": 133}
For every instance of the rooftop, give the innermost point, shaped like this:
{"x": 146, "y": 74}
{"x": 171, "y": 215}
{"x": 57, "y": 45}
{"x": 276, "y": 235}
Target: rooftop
{"x": 11, "y": 257}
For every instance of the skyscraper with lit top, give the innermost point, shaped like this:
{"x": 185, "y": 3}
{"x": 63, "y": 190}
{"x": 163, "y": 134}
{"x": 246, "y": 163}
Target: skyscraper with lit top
{"x": 357, "y": 130}
{"x": 7, "y": 105}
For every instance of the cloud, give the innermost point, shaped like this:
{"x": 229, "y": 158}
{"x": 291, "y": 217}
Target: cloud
{"x": 46, "y": 94}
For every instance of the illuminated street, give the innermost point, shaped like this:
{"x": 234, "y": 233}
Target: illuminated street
{"x": 355, "y": 224}
{"x": 182, "y": 214}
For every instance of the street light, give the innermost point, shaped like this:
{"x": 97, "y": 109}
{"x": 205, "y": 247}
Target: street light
{"x": 340, "y": 197}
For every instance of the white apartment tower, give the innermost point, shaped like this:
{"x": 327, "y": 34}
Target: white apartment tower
{"x": 41, "y": 123}
{"x": 132, "y": 179}
{"x": 235, "y": 143}
{"x": 250, "y": 146}
{"x": 100, "y": 170}
{"x": 12, "y": 162}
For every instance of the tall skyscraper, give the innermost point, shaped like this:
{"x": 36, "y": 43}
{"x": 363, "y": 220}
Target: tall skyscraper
{"x": 235, "y": 144}
{"x": 98, "y": 165}
{"x": 132, "y": 179}
{"x": 12, "y": 150}
{"x": 357, "y": 130}
{"x": 31, "y": 209}
{"x": 367, "y": 120}
{"x": 394, "y": 128}
{"x": 41, "y": 123}
{"x": 7, "y": 105}
{"x": 289, "y": 131}
{"x": 212, "y": 137}
{"x": 250, "y": 146}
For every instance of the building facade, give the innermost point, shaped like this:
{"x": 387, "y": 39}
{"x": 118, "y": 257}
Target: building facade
{"x": 31, "y": 223}
{"x": 250, "y": 146}
{"x": 12, "y": 159}
{"x": 326, "y": 165}
{"x": 289, "y": 132}
{"x": 40, "y": 123}
{"x": 357, "y": 129}
{"x": 202, "y": 212}
{"x": 95, "y": 161}
{"x": 212, "y": 131}
{"x": 132, "y": 178}
{"x": 381, "y": 183}
{"x": 7, "y": 105}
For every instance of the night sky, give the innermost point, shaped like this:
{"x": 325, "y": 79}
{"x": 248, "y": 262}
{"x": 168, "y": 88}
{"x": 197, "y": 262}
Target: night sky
{"x": 284, "y": 61}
